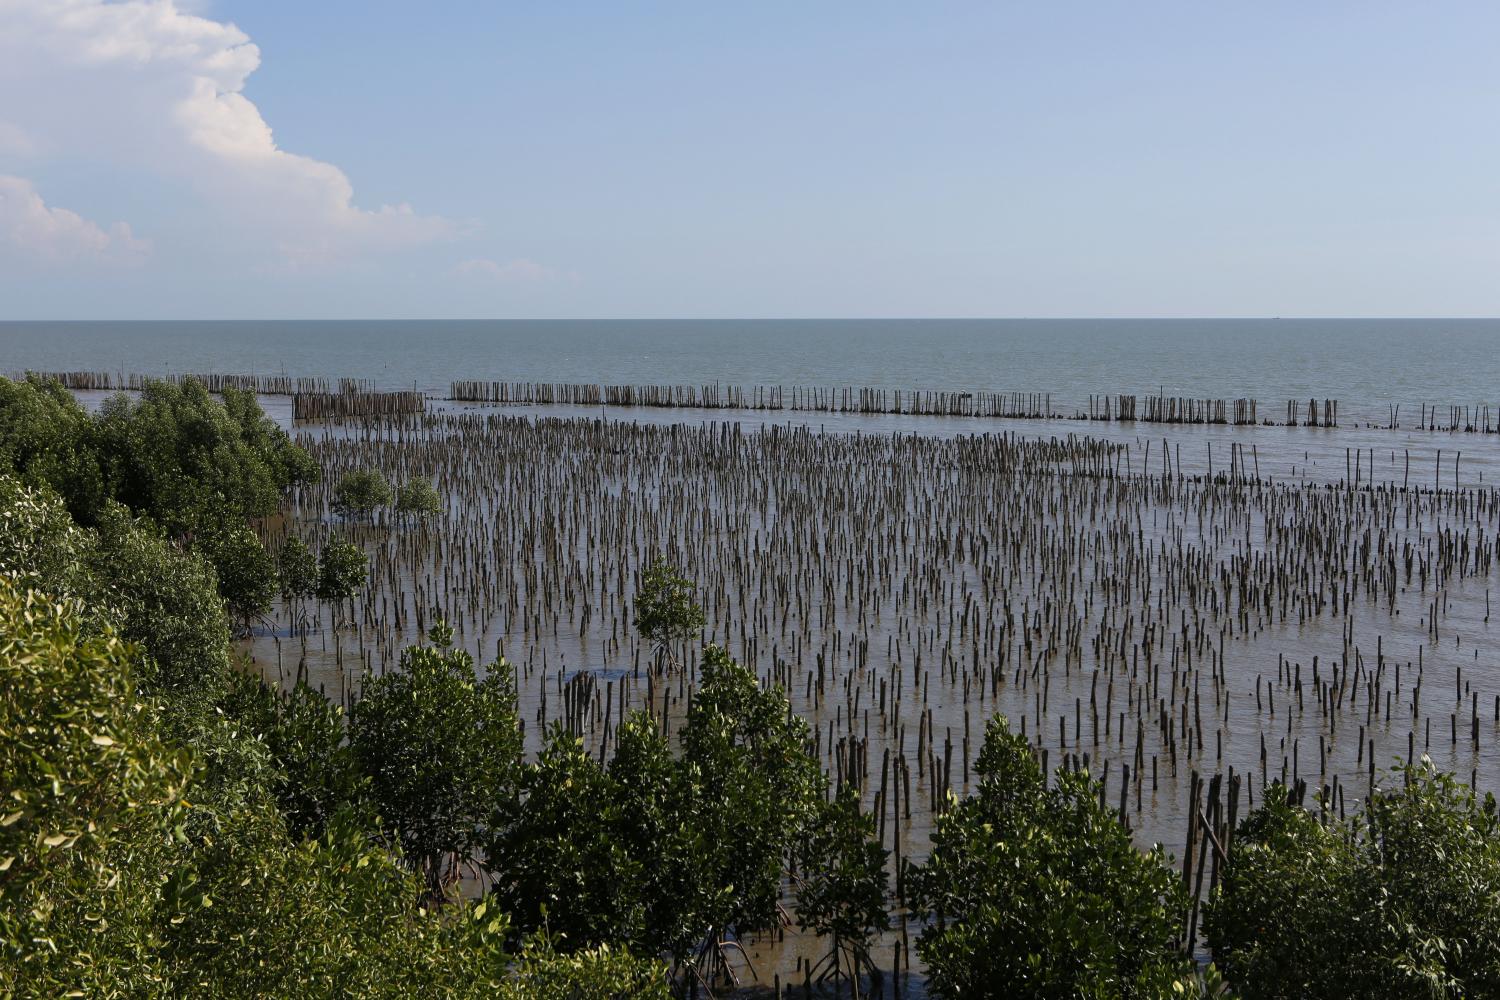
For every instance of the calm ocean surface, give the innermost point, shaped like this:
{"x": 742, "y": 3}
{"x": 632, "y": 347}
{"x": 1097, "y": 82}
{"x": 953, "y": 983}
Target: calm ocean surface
{"x": 1362, "y": 363}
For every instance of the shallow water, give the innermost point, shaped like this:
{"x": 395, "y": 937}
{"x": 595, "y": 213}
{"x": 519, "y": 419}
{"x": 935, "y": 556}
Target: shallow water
{"x": 1166, "y": 622}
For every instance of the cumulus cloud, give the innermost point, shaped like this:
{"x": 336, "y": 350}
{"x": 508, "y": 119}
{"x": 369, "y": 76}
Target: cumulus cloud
{"x": 511, "y": 272}
{"x": 32, "y": 231}
{"x": 147, "y": 85}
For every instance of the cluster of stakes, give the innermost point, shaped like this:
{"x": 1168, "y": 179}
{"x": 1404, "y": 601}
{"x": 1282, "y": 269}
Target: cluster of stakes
{"x": 1186, "y": 637}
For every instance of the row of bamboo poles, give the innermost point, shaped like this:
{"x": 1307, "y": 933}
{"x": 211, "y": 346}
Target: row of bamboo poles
{"x": 348, "y": 404}
{"x": 760, "y": 397}
{"x": 1016, "y": 405}
{"x": 266, "y": 385}
{"x": 1172, "y": 409}
{"x": 1471, "y": 419}
{"x": 1159, "y": 409}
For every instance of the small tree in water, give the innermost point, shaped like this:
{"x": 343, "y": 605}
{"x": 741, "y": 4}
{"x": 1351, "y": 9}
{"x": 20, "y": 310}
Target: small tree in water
{"x": 666, "y": 614}
{"x": 842, "y": 888}
{"x": 752, "y": 790}
{"x": 246, "y": 571}
{"x": 296, "y": 578}
{"x": 361, "y": 493}
{"x": 342, "y": 571}
{"x": 567, "y": 864}
{"x": 416, "y": 498}
{"x": 297, "y": 570}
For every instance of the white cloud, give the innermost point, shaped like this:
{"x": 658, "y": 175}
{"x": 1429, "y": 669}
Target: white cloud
{"x": 32, "y": 231}
{"x": 146, "y": 85}
{"x": 511, "y": 272}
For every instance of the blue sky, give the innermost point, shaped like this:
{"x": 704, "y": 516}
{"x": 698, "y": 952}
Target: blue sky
{"x": 338, "y": 159}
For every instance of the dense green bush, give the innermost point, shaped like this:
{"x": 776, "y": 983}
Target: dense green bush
{"x": 541, "y": 972}
{"x": 117, "y": 878}
{"x": 245, "y": 570}
{"x": 47, "y": 439}
{"x": 165, "y": 599}
{"x": 93, "y": 796}
{"x": 361, "y": 493}
{"x": 198, "y": 468}
{"x": 40, "y": 545}
{"x": 342, "y": 571}
{"x": 751, "y": 790}
{"x": 292, "y": 465}
{"x": 566, "y": 863}
{"x": 179, "y": 456}
{"x": 296, "y": 570}
{"x": 1037, "y": 891}
{"x": 315, "y": 775}
{"x": 654, "y": 816}
{"x": 1401, "y": 900}
{"x": 417, "y": 498}
{"x": 670, "y": 854}
{"x": 124, "y": 573}
{"x": 442, "y": 751}
{"x": 331, "y": 916}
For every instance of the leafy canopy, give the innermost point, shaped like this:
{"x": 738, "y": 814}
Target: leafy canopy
{"x": 315, "y": 775}
{"x": 361, "y": 493}
{"x": 92, "y": 797}
{"x": 342, "y": 571}
{"x": 178, "y": 456}
{"x": 127, "y": 575}
{"x": 752, "y": 789}
{"x": 669, "y": 854}
{"x": 200, "y": 469}
{"x": 246, "y": 571}
{"x": 566, "y": 863}
{"x": 842, "y": 882}
{"x": 1401, "y": 900}
{"x": 117, "y": 879}
{"x": 442, "y": 751}
{"x": 417, "y": 498}
{"x": 47, "y": 439}
{"x": 654, "y": 817}
{"x": 296, "y": 570}
{"x": 1037, "y": 891}
{"x": 542, "y": 972}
